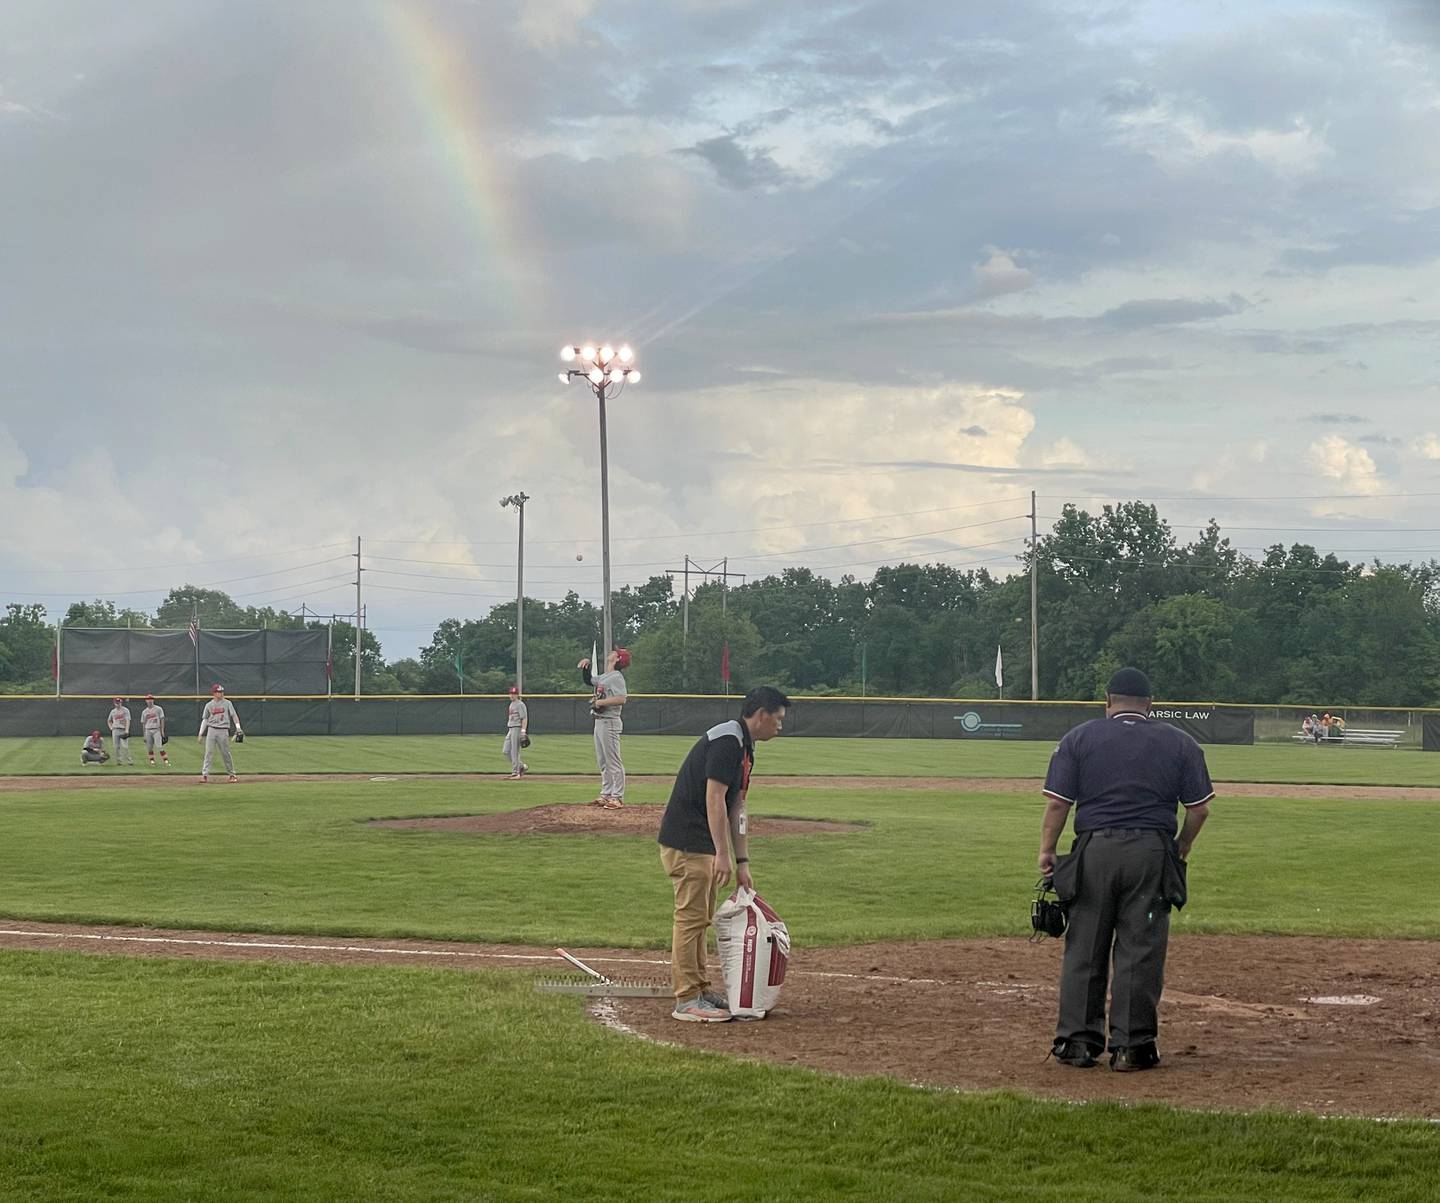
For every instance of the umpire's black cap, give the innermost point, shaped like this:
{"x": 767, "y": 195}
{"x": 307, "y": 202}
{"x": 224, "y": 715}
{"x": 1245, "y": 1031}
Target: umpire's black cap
{"x": 1129, "y": 683}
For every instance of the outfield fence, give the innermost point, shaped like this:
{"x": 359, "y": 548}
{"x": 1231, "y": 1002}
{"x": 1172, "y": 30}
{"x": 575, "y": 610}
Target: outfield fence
{"x": 555, "y": 714}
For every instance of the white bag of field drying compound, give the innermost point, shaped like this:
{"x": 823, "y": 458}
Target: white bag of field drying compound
{"x": 754, "y": 950}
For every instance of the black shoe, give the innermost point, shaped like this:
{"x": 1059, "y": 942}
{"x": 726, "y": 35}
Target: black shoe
{"x": 1135, "y": 1058}
{"x": 1075, "y": 1053}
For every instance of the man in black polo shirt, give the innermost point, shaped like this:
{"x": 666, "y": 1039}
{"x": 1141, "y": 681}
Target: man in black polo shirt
{"x": 702, "y": 833}
{"x": 1124, "y": 774}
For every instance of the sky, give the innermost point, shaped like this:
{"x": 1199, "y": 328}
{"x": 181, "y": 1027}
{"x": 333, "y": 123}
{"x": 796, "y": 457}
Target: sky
{"x": 275, "y": 275}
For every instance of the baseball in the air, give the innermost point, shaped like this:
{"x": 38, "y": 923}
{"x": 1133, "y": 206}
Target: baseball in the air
{"x": 578, "y": 556}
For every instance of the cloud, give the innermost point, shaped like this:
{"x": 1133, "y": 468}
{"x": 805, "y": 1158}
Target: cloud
{"x": 1427, "y": 446}
{"x": 1349, "y": 467}
{"x": 1334, "y": 419}
{"x": 735, "y": 165}
{"x": 1135, "y": 315}
{"x": 552, "y": 25}
{"x": 1000, "y": 274}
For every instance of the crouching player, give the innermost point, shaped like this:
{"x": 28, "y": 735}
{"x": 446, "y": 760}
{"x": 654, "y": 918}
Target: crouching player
{"x": 703, "y": 836}
{"x": 92, "y": 751}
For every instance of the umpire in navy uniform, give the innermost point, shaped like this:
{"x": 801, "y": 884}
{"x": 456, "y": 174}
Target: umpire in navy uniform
{"x": 1124, "y": 774}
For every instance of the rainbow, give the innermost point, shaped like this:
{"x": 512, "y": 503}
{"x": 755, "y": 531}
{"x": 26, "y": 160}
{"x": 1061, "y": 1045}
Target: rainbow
{"x": 449, "y": 96}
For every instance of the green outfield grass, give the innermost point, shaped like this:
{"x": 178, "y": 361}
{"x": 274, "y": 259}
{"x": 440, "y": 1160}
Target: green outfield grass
{"x": 164, "y": 1080}
{"x": 295, "y": 857}
{"x": 650, "y": 754}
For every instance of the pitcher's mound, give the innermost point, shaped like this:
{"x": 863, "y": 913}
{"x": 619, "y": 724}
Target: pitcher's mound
{"x": 592, "y": 820}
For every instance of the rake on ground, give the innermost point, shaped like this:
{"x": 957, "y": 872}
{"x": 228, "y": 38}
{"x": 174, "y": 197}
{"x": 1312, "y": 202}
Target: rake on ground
{"x": 597, "y": 985}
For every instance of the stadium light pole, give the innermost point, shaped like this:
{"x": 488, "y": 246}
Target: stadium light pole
{"x": 607, "y": 370}
{"x": 518, "y": 500}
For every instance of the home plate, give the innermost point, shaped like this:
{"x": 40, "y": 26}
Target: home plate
{"x": 1344, "y": 1000}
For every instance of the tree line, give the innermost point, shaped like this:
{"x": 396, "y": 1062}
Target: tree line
{"x": 1115, "y": 587}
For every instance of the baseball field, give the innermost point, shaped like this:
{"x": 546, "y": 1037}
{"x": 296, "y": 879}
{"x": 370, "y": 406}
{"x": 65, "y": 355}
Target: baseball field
{"x": 319, "y": 984}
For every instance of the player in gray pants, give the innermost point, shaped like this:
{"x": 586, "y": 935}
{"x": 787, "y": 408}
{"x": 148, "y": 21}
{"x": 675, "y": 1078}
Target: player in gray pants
{"x": 215, "y": 722}
{"x": 605, "y": 708}
{"x": 119, "y": 723}
{"x": 516, "y": 721}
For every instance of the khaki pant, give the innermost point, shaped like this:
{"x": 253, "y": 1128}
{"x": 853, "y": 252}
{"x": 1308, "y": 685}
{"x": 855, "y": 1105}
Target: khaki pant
{"x": 692, "y": 874}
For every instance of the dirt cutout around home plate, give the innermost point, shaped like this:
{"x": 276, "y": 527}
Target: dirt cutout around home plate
{"x": 594, "y": 820}
{"x": 1302, "y": 1023}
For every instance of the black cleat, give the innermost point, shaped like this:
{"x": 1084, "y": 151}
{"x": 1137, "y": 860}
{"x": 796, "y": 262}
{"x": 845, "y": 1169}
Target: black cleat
{"x": 1135, "y": 1058}
{"x": 1075, "y": 1053}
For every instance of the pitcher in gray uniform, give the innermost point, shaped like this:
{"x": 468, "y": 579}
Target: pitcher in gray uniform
{"x": 215, "y": 722}
{"x": 119, "y": 723}
{"x": 605, "y": 708}
{"x": 517, "y": 721}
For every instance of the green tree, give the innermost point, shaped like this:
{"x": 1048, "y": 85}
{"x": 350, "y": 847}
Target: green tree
{"x": 27, "y": 644}
{"x": 1185, "y": 644}
{"x": 103, "y": 614}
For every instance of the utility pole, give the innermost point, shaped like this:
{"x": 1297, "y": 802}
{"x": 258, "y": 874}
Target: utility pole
{"x": 722, "y": 570}
{"x": 1034, "y": 602}
{"x": 518, "y": 500}
{"x": 359, "y": 617}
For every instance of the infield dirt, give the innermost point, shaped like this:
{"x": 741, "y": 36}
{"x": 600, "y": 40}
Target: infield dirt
{"x": 1240, "y": 1027}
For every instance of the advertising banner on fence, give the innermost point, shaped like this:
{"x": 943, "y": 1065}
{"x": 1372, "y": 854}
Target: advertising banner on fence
{"x": 684, "y": 716}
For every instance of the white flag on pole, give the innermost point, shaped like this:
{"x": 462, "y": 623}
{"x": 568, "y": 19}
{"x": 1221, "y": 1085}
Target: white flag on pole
{"x": 594, "y": 664}
{"x": 999, "y": 669}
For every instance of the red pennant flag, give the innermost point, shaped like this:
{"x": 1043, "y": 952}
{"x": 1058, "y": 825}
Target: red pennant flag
{"x": 725, "y": 663}
{"x": 54, "y": 663}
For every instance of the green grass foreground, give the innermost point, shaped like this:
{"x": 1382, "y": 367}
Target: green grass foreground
{"x": 297, "y": 857}
{"x": 662, "y": 754}
{"x": 169, "y": 1080}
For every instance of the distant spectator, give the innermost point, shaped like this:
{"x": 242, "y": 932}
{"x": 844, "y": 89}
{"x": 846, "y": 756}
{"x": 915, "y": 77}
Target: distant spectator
{"x": 1325, "y": 726}
{"x": 1307, "y": 726}
{"x": 92, "y": 751}
{"x": 1317, "y": 730}
{"x": 1337, "y": 727}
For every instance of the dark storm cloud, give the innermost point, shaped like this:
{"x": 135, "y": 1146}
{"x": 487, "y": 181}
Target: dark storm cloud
{"x": 1134, "y": 315}
{"x": 737, "y": 166}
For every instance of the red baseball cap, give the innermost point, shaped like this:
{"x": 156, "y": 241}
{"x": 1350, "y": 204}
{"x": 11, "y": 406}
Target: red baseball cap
{"x": 217, "y": 688}
{"x": 117, "y": 700}
{"x": 622, "y": 657}
{"x": 514, "y": 689}
{"x": 149, "y": 697}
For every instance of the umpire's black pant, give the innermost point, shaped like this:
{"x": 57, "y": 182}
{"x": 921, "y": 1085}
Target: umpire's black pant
{"x": 1118, "y": 907}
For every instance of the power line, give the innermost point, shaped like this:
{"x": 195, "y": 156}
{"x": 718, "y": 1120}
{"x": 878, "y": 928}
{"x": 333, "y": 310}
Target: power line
{"x": 202, "y": 585}
{"x": 1302, "y": 530}
{"x": 1259, "y": 497}
{"x": 261, "y": 555}
{"x": 753, "y": 530}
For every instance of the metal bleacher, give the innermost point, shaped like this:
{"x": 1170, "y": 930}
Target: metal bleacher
{"x": 1356, "y": 737}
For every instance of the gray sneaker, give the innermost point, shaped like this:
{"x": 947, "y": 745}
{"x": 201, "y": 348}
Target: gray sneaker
{"x": 697, "y": 1010}
{"x": 715, "y": 999}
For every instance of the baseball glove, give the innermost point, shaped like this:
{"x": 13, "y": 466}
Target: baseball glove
{"x": 524, "y": 741}
{"x": 239, "y": 737}
{"x": 164, "y": 739}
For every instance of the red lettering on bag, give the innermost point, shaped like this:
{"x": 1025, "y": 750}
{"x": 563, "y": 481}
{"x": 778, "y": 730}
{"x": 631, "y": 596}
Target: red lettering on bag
{"x": 747, "y": 964}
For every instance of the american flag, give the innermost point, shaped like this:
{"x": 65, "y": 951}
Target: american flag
{"x": 195, "y": 631}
